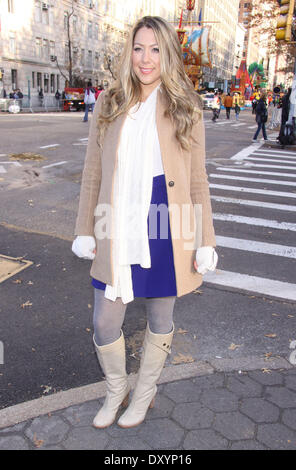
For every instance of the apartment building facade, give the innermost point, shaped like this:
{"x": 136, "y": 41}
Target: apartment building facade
{"x": 222, "y": 16}
{"x": 42, "y": 41}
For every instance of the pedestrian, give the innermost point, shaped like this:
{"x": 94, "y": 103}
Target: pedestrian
{"x": 285, "y": 113}
{"x": 237, "y": 110}
{"x": 142, "y": 128}
{"x": 261, "y": 117}
{"x": 19, "y": 96}
{"x": 57, "y": 97}
{"x": 41, "y": 96}
{"x": 89, "y": 100}
{"x": 228, "y": 105}
{"x": 254, "y": 104}
{"x": 216, "y": 107}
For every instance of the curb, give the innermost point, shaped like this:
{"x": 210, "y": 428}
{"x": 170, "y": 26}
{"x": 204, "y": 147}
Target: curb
{"x": 31, "y": 409}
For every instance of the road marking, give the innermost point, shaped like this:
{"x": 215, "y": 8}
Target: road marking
{"x": 267, "y": 192}
{"x": 245, "y": 152}
{"x": 258, "y": 159}
{"x": 268, "y": 166}
{"x": 245, "y": 282}
{"x": 2, "y": 154}
{"x": 239, "y": 219}
{"x": 277, "y": 151}
{"x": 54, "y": 164}
{"x": 80, "y": 143}
{"x": 252, "y": 127}
{"x": 257, "y": 172}
{"x": 86, "y": 138}
{"x": 246, "y": 202}
{"x": 274, "y": 155}
{"x": 238, "y": 125}
{"x": 48, "y": 146}
{"x": 255, "y": 180}
{"x": 2, "y": 169}
{"x": 256, "y": 247}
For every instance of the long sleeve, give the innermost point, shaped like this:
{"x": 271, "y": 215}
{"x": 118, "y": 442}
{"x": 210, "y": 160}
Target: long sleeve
{"x": 199, "y": 186}
{"x": 91, "y": 179}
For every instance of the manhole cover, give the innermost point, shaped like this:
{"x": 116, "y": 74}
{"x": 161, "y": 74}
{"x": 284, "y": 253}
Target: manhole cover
{"x": 10, "y": 266}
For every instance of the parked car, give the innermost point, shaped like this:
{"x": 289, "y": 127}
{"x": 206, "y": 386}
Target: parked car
{"x": 208, "y": 100}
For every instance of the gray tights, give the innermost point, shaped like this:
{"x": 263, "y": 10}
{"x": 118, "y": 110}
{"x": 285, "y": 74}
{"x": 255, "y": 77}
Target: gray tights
{"x": 109, "y": 316}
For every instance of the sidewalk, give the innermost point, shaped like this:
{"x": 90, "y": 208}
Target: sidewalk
{"x": 244, "y": 404}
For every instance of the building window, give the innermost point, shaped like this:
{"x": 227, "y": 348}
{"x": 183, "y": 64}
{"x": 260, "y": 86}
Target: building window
{"x": 33, "y": 79}
{"x": 58, "y": 82}
{"x": 14, "y": 78}
{"x": 96, "y": 31}
{"x": 38, "y": 47}
{"x": 89, "y": 59}
{"x": 39, "y": 81}
{"x": 10, "y": 6}
{"x": 89, "y": 29}
{"x": 74, "y": 23}
{"x": 52, "y": 48}
{"x": 45, "y": 49}
{"x": 83, "y": 57}
{"x": 38, "y": 16}
{"x": 65, "y": 21}
{"x": 52, "y": 83}
{"x": 12, "y": 43}
{"x": 46, "y": 82}
{"x": 96, "y": 60}
{"x": 45, "y": 16}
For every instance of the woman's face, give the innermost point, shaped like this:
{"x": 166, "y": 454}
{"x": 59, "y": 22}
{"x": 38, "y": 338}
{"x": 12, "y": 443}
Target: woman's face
{"x": 145, "y": 60}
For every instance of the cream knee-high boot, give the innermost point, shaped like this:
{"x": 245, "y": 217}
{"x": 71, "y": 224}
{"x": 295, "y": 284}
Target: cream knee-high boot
{"x": 112, "y": 360}
{"x": 155, "y": 350}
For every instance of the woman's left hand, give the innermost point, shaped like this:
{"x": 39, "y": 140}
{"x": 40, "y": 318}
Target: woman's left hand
{"x": 206, "y": 259}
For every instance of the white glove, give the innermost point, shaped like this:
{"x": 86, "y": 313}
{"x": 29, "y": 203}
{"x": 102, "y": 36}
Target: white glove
{"x": 206, "y": 259}
{"x": 83, "y": 247}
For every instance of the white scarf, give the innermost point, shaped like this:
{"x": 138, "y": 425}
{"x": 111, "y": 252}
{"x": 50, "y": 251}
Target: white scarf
{"x": 132, "y": 196}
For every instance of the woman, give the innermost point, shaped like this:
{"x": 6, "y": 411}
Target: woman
{"x": 261, "y": 117}
{"x": 145, "y": 151}
{"x": 216, "y": 107}
{"x": 89, "y": 100}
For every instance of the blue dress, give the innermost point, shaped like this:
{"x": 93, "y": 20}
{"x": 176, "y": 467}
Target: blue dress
{"x": 160, "y": 279}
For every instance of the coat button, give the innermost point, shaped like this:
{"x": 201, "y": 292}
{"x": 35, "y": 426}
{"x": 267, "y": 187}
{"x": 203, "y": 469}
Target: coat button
{"x": 171, "y": 183}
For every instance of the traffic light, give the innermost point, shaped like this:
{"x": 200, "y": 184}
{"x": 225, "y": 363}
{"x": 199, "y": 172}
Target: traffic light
{"x": 284, "y": 23}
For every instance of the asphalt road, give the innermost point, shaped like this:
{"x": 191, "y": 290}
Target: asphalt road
{"x": 246, "y": 309}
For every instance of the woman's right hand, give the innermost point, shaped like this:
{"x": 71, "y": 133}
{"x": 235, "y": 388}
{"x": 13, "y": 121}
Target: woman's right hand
{"x": 84, "y": 247}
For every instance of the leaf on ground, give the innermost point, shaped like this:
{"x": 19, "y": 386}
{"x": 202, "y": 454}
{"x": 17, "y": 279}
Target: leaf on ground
{"x": 26, "y": 304}
{"x": 197, "y": 291}
{"x": 37, "y": 442}
{"x": 271, "y": 335}
{"x": 290, "y": 316}
{"x": 268, "y": 355}
{"x": 233, "y": 346}
{"x": 47, "y": 388}
{"x": 88, "y": 330}
{"x": 266, "y": 371}
{"x": 182, "y": 332}
{"x": 17, "y": 281}
{"x": 182, "y": 358}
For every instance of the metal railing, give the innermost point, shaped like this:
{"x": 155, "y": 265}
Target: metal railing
{"x": 32, "y": 104}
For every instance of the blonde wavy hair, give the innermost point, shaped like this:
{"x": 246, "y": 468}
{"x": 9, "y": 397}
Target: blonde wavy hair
{"x": 184, "y": 105}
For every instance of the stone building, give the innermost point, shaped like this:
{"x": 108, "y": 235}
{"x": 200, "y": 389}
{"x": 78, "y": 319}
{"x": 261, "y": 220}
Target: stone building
{"x": 222, "y": 16}
{"x": 39, "y": 40}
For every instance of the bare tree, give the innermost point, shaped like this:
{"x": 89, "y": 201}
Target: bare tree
{"x": 263, "y": 18}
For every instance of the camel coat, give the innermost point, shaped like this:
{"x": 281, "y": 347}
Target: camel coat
{"x": 187, "y": 185}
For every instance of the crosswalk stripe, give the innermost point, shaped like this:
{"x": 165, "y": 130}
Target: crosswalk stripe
{"x": 274, "y": 155}
{"x": 255, "y": 180}
{"x": 257, "y": 172}
{"x": 2, "y": 169}
{"x": 267, "y": 192}
{"x": 277, "y": 151}
{"x": 260, "y": 165}
{"x": 238, "y": 125}
{"x": 262, "y": 204}
{"x": 252, "y": 127}
{"x": 269, "y": 160}
{"x": 255, "y": 221}
{"x": 256, "y": 247}
{"x": 245, "y": 282}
